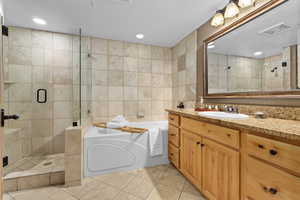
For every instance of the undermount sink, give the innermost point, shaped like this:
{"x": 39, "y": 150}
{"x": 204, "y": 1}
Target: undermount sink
{"x": 224, "y": 115}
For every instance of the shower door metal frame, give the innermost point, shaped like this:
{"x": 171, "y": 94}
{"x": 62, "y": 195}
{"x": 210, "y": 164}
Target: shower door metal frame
{"x": 1, "y": 102}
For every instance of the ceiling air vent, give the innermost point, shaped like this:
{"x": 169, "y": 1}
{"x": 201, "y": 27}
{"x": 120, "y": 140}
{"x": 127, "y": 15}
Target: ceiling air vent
{"x": 275, "y": 29}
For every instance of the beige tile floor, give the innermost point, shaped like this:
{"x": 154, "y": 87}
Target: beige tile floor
{"x": 35, "y": 165}
{"x": 155, "y": 183}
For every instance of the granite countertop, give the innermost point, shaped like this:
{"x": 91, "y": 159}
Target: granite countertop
{"x": 286, "y": 129}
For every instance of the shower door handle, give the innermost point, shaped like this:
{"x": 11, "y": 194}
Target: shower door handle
{"x": 7, "y": 117}
{"x": 38, "y": 96}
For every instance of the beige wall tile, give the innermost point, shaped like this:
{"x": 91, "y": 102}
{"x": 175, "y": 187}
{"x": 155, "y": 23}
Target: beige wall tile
{"x": 62, "y": 109}
{"x": 116, "y": 63}
{"x": 115, "y": 93}
{"x": 33, "y": 182}
{"x": 62, "y": 41}
{"x": 115, "y": 78}
{"x": 115, "y": 108}
{"x": 100, "y": 77}
{"x": 144, "y": 65}
{"x": 130, "y": 93}
{"x": 100, "y": 93}
{"x": 99, "y": 62}
{"x": 73, "y": 142}
{"x": 19, "y": 37}
{"x": 116, "y": 48}
{"x": 130, "y": 79}
{"x": 19, "y": 55}
{"x": 57, "y": 178}
{"x": 145, "y": 93}
{"x": 73, "y": 168}
{"x": 130, "y": 108}
{"x": 157, "y": 66}
{"x": 130, "y": 64}
{"x": 99, "y": 46}
{"x": 10, "y": 185}
{"x": 144, "y": 51}
{"x": 131, "y": 50}
{"x": 144, "y": 79}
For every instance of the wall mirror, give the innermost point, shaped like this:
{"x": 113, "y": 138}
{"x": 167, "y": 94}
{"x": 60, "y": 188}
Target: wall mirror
{"x": 260, "y": 57}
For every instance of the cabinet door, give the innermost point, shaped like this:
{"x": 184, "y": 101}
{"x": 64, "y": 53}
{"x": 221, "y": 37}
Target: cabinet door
{"x": 220, "y": 171}
{"x": 191, "y": 156}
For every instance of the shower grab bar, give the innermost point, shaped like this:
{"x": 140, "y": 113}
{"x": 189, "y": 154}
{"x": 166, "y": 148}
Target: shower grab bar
{"x": 38, "y": 99}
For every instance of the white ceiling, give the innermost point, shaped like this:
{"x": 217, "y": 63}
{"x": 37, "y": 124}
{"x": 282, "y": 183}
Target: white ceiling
{"x": 246, "y": 40}
{"x": 163, "y": 22}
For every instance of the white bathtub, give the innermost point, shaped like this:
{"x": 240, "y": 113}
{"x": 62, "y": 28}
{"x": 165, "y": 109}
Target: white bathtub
{"x": 107, "y": 150}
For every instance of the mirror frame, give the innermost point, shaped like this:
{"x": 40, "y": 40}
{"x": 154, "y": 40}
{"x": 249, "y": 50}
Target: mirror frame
{"x": 292, "y": 94}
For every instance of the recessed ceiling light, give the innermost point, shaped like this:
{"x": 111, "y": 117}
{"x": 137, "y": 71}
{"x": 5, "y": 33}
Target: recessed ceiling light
{"x": 258, "y": 53}
{"x": 39, "y": 21}
{"x": 140, "y": 36}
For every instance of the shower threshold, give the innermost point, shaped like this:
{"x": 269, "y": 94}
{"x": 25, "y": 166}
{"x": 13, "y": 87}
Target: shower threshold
{"x": 34, "y": 171}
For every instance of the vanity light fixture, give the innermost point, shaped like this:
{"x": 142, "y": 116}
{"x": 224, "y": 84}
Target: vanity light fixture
{"x": 39, "y": 21}
{"x": 231, "y": 10}
{"x": 139, "y": 36}
{"x": 218, "y": 19}
{"x": 246, "y": 3}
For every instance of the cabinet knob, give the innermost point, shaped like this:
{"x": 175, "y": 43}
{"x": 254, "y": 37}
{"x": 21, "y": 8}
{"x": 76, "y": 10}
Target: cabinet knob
{"x": 202, "y": 145}
{"x": 273, "y": 152}
{"x": 198, "y": 143}
{"x": 272, "y": 190}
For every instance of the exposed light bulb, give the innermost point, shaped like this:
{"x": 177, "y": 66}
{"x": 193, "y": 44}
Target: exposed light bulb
{"x": 231, "y": 10}
{"x": 246, "y": 3}
{"x": 211, "y": 45}
{"x": 218, "y": 19}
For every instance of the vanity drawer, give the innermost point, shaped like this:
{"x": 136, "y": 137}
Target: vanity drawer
{"x": 264, "y": 182}
{"x": 173, "y": 119}
{"x": 220, "y": 134}
{"x": 282, "y": 154}
{"x": 174, "y": 137}
{"x": 174, "y": 155}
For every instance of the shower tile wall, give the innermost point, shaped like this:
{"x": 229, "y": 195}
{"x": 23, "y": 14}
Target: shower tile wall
{"x": 184, "y": 76}
{"x": 248, "y": 74}
{"x": 279, "y": 80}
{"x": 244, "y": 73}
{"x": 129, "y": 79}
{"x": 38, "y": 59}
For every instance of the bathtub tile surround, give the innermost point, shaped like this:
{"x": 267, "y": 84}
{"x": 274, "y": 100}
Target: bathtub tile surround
{"x": 125, "y": 83}
{"x": 154, "y": 183}
{"x": 73, "y": 156}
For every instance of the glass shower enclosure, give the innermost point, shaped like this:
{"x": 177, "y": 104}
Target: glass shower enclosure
{"x": 47, "y": 85}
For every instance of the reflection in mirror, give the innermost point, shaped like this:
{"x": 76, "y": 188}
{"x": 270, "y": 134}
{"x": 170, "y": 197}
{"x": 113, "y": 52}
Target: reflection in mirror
{"x": 259, "y": 55}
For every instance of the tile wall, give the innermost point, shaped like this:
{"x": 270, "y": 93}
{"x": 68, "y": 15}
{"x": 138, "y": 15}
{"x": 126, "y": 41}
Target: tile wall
{"x": 233, "y": 73}
{"x": 184, "y": 76}
{"x": 248, "y": 74}
{"x": 130, "y": 79}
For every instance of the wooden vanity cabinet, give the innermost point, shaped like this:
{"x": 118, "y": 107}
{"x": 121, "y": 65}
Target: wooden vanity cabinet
{"x": 225, "y": 164}
{"x": 209, "y": 160}
{"x": 221, "y": 171}
{"x": 272, "y": 169}
{"x": 174, "y": 140}
{"x": 191, "y": 157}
